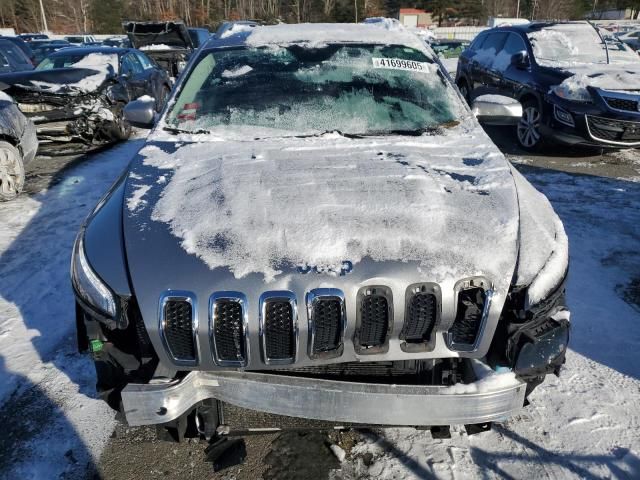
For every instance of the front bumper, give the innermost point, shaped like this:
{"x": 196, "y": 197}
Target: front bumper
{"x": 328, "y": 400}
{"x": 595, "y": 125}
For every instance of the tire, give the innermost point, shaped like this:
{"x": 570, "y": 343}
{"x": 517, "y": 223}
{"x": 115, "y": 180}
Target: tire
{"x": 528, "y": 128}
{"x": 121, "y": 128}
{"x": 464, "y": 90}
{"x": 164, "y": 96}
{"x": 11, "y": 172}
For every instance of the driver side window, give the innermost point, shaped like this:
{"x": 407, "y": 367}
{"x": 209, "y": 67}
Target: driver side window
{"x": 130, "y": 65}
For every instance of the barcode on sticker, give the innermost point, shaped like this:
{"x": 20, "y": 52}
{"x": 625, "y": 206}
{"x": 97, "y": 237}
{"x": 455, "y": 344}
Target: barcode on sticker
{"x": 401, "y": 64}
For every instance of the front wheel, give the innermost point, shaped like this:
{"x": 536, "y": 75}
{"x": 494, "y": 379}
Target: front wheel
{"x": 464, "y": 90}
{"x": 121, "y": 128}
{"x": 11, "y": 172}
{"x": 162, "y": 100}
{"x": 528, "y": 129}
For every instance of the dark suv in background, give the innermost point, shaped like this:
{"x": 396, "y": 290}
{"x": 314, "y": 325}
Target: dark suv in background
{"x": 574, "y": 87}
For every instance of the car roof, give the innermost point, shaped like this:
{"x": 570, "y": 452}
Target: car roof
{"x": 315, "y": 34}
{"x": 5, "y": 42}
{"x": 86, "y": 50}
{"x": 536, "y": 26}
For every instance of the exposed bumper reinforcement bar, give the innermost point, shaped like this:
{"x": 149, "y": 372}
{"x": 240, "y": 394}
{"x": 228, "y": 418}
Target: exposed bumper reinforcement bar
{"x": 328, "y": 400}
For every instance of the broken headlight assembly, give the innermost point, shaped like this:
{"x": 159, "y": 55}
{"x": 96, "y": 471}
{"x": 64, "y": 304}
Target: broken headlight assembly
{"x": 88, "y": 287}
{"x": 538, "y": 342}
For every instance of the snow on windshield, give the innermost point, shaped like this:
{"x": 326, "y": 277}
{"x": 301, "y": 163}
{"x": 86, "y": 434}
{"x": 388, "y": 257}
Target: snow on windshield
{"x": 350, "y": 88}
{"x": 567, "y": 44}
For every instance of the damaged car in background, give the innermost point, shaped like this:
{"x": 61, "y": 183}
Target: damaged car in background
{"x": 76, "y": 96}
{"x": 18, "y": 146}
{"x": 318, "y": 227}
{"x": 170, "y": 44}
{"x": 576, "y": 87}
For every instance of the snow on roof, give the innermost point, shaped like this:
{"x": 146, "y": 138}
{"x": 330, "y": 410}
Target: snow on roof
{"x": 318, "y": 34}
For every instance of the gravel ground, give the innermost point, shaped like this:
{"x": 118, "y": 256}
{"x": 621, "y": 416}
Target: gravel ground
{"x": 134, "y": 453}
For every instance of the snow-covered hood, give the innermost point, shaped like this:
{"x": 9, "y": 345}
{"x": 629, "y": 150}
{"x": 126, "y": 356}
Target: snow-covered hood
{"x": 217, "y": 213}
{"x": 60, "y": 81}
{"x": 608, "y": 77}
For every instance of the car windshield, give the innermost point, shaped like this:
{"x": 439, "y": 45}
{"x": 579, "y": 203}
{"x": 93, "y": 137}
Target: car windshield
{"x": 353, "y": 89}
{"x": 93, "y": 60}
{"x": 574, "y": 43}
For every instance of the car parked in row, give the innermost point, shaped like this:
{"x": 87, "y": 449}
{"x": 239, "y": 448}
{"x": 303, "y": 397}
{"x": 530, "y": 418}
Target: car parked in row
{"x": 631, "y": 38}
{"x": 575, "y": 87}
{"x": 28, "y": 37}
{"x": 43, "y": 50}
{"x": 24, "y": 46}
{"x": 77, "y": 95}
{"x": 318, "y": 227}
{"x": 12, "y": 58}
{"x": 80, "y": 39}
{"x": 18, "y": 146}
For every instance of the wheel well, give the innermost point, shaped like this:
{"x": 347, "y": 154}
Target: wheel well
{"x": 9, "y": 139}
{"x": 529, "y": 96}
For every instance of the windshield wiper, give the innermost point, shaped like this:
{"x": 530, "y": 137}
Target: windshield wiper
{"x": 181, "y": 130}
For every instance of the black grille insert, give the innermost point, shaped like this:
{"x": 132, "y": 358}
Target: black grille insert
{"x": 326, "y": 317}
{"x": 626, "y": 104}
{"x": 228, "y": 331}
{"x": 178, "y": 329}
{"x": 374, "y": 321}
{"x": 468, "y": 320}
{"x": 279, "y": 334}
{"x": 614, "y": 130}
{"x": 420, "y": 318}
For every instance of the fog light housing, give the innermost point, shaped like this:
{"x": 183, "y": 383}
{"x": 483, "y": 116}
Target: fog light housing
{"x": 563, "y": 116}
{"x": 541, "y": 349}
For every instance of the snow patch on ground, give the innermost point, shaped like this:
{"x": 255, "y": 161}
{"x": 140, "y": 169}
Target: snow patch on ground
{"x": 40, "y": 375}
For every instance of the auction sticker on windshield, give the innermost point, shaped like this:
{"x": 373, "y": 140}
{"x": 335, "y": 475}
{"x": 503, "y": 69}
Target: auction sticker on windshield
{"x": 401, "y": 64}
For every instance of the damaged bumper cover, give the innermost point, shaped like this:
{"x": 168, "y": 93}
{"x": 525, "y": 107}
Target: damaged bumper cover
{"x": 86, "y": 121}
{"x": 319, "y": 399}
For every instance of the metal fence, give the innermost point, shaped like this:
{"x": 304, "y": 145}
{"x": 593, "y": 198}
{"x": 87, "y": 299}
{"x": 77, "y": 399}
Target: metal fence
{"x": 460, "y": 33}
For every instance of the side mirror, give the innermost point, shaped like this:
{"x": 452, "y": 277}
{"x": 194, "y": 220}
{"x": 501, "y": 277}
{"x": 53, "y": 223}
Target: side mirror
{"x": 520, "y": 60}
{"x": 141, "y": 113}
{"x": 497, "y": 110}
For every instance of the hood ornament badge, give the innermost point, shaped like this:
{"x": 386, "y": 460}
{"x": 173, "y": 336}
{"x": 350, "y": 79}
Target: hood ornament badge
{"x": 345, "y": 267}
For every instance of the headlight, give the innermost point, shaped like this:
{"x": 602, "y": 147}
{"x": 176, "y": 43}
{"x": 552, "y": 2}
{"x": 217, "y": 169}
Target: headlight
{"x": 572, "y": 91}
{"x": 87, "y": 284}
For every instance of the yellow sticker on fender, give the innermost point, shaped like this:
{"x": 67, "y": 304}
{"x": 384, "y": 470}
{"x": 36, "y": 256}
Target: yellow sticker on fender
{"x": 401, "y": 64}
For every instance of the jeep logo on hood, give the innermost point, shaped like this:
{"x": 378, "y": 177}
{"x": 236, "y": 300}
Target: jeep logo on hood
{"x": 345, "y": 267}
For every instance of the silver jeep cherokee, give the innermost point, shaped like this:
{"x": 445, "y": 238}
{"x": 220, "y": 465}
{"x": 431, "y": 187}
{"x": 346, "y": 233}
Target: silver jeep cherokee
{"x": 317, "y": 227}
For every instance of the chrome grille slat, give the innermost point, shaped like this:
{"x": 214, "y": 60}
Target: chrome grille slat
{"x": 228, "y": 328}
{"x": 327, "y": 321}
{"x": 472, "y": 307}
{"x": 179, "y": 326}
{"x": 278, "y": 327}
{"x": 375, "y": 321}
{"x": 420, "y": 318}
